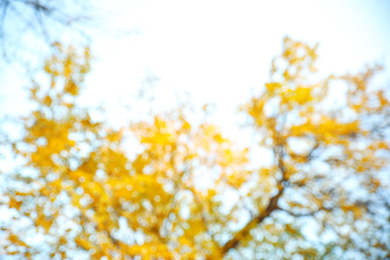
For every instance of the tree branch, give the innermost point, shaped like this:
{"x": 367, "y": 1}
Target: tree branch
{"x": 235, "y": 241}
{"x": 272, "y": 205}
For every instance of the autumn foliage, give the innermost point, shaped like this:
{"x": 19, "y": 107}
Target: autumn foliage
{"x": 190, "y": 192}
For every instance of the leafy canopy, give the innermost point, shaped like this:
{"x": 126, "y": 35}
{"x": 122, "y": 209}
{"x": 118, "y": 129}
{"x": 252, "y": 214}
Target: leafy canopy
{"x": 191, "y": 193}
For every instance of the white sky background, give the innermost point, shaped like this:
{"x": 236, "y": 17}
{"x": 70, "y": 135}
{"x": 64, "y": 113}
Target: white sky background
{"x": 217, "y": 51}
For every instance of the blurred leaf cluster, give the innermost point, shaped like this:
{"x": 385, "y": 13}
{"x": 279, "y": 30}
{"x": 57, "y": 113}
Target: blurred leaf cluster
{"x": 191, "y": 193}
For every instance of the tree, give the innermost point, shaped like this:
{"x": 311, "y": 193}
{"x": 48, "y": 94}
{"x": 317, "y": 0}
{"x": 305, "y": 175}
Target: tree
{"x": 190, "y": 192}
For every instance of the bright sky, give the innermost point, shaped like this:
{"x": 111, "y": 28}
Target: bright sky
{"x": 219, "y": 50}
